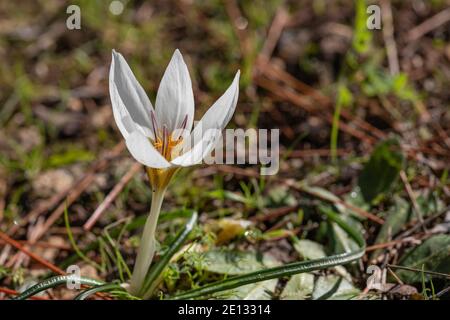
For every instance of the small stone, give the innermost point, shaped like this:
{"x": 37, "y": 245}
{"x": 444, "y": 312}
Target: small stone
{"x": 53, "y": 181}
{"x": 29, "y": 138}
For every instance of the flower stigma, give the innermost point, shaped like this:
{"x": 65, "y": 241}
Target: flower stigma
{"x": 170, "y": 147}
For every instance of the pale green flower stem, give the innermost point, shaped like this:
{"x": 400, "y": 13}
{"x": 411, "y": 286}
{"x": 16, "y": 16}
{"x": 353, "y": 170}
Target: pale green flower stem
{"x": 147, "y": 246}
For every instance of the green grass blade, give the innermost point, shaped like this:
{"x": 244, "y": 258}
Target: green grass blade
{"x": 174, "y": 247}
{"x": 74, "y": 244}
{"x": 53, "y": 282}
{"x": 102, "y": 288}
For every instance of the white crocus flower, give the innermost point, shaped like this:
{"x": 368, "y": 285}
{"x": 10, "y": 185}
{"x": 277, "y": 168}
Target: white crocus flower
{"x": 160, "y": 138}
{"x": 151, "y": 134}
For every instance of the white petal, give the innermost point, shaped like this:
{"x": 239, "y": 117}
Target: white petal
{"x": 222, "y": 110}
{"x": 220, "y": 113}
{"x": 144, "y": 152}
{"x": 131, "y": 106}
{"x": 175, "y": 98}
{"x": 201, "y": 148}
